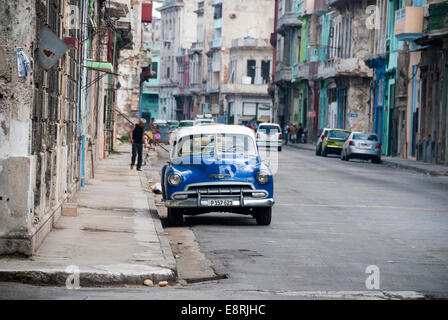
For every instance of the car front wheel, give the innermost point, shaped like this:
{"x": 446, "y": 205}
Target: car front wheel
{"x": 175, "y": 217}
{"x": 264, "y": 216}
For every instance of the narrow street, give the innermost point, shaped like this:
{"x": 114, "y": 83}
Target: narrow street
{"x": 331, "y": 220}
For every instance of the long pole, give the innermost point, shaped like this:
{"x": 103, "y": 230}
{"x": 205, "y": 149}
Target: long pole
{"x": 132, "y": 123}
{"x": 83, "y": 117}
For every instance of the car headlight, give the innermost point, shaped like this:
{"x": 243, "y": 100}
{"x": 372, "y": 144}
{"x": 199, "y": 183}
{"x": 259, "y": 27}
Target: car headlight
{"x": 174, "y": 179}
{"x": 263, "y": 177}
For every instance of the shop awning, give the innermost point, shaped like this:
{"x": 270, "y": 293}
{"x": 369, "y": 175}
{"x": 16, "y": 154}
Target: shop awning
{"x": 100, "y": 66}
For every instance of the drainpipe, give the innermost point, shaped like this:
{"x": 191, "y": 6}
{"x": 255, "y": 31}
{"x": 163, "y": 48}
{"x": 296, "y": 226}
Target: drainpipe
{"x": 274, "y": 113}
{"x": 82, "y": 116}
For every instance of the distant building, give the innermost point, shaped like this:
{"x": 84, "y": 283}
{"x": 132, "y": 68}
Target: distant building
{"x": 151, "y": 41}
{"x": 246, "y": 92}
{"x": 178, "y": 30}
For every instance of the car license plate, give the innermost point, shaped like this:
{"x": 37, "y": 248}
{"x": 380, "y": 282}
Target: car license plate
{"x": 220, "y": 202}
{"x": 365, "y": 145}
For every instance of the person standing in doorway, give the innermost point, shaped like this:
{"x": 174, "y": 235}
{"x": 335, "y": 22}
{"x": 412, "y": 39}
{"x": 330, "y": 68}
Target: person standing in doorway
{"x": 138, "y": 140}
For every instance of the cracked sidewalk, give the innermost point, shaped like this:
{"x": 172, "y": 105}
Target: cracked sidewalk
{"x": 116, "y": 238}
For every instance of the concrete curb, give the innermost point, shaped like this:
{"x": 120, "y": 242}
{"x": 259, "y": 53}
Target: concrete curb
{"x": 385, "y": 161}
{"x": 90, "y": 277}
{"x": 431, "y": 172}
{"x": 96, "y": 275}
{"x": 301, "y": 146}
{"x": 163, "y": 239}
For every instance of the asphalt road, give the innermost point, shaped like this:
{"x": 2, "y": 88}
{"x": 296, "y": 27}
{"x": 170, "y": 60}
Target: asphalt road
{"x": 332, "y": 219}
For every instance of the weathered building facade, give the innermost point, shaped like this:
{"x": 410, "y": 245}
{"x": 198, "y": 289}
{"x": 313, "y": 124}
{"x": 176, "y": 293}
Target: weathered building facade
{"x": 194, "y": 72}
{"x": 330, "y": 80}
{"x": 287, "y": 38}
{"x": 56, "y": 109}
{"x": 179, "y": 29}
{"x": 366, "y": 65}
{"x": 245, "y": 92}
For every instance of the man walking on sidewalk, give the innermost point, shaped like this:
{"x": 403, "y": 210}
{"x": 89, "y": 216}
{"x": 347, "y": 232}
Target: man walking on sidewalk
{"x": 138, "y": 139}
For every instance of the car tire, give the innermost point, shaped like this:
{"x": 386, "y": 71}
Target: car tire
{"x": 279, "y": 149}
{"x": 318, "y": 151}
{"x": 175, "y": 217}
{"x": 376, "y": 160}
{"x": 342, "y": 156}
{"x": 264, "y": 216}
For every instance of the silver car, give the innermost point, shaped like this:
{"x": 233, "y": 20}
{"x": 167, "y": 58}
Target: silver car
{"x": 362, "y": 145}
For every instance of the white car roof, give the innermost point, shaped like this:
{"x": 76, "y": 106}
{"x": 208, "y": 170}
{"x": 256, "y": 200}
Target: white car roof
{"x": 269, "y": 124}
{"x": 214, "y": 128}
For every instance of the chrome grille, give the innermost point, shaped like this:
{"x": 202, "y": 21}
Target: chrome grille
{"x": 220, "y": 189}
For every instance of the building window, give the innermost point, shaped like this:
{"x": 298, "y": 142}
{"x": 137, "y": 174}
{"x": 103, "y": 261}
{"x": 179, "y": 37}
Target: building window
{"x": 154, "y": 71}
{"x": 168, "y": 72}
{"x": 265, "y": 68}
{"x": 218, "y": 12}
{"x": 251, "y": 64}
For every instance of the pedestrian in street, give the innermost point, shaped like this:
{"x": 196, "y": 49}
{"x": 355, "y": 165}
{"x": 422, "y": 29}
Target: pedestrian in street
{"x": 299, "y": 133}
{"x": 138, "y": 140}
{"x": 293, "y": 133}
{"x": 157, "y": 135}
{"x": 286, "y": 133}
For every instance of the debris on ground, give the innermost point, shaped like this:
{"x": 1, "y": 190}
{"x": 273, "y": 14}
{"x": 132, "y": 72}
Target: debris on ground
{"x": 163, "y": 283}
{"x": 148, "y": 283}
{"x": 157, "y": 188}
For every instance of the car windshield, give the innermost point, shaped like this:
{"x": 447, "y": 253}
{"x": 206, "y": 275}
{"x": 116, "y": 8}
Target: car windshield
{"x": 207, "y": 144}
{"x": 338, "y": 134}
{"x": 186, "y": 124}
{"x": 365, "y": 136}
{"x": 269, "y": 129}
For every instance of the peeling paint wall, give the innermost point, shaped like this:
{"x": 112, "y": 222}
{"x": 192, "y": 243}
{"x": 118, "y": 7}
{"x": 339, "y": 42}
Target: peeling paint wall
{"x": 16, "y": 105}
{"x": 38, "y": 123}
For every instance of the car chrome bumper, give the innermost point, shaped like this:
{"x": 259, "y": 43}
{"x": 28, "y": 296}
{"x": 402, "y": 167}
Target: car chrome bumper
{"x": 245, "y": 202}
{"x": 366, "y": 152}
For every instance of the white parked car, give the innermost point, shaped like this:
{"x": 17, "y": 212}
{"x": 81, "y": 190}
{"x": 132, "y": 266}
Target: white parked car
{"x": 269, "y": 135}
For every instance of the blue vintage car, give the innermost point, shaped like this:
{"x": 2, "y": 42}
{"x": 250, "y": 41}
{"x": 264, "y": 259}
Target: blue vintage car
{"x": 217, "y": 168}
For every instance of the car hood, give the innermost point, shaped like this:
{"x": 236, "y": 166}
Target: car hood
{"x": 210, "y": 168}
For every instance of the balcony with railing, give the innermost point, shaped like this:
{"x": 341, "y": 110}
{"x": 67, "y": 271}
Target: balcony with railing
{"x": 286, "y": 21}
{"x": 171, "y": 3}
{"x": 305, "y": 71}
{"x": 197, "y": 46}
{"x": 343, "y": 67}
{"x": 283, "y": 73}
{"x": 409, "y": 23}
